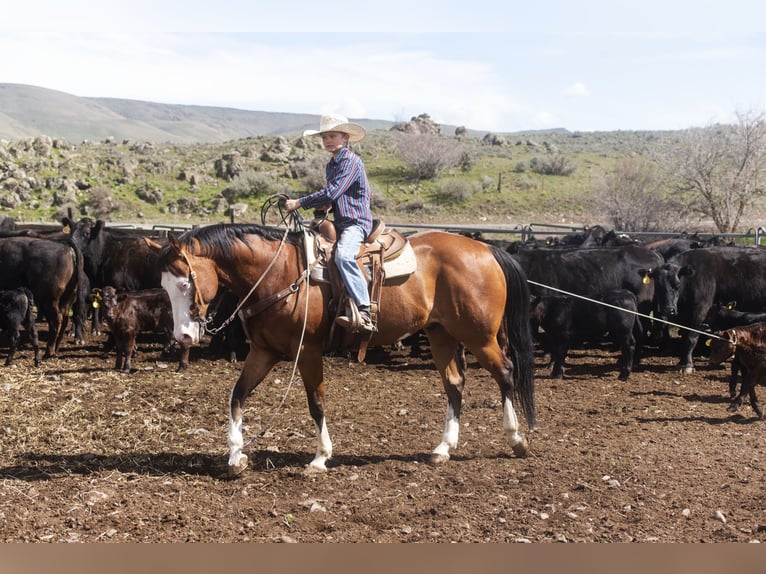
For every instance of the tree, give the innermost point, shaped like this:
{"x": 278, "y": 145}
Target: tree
{"x": 722, "y": 168}
{"x": 632, "y": 197}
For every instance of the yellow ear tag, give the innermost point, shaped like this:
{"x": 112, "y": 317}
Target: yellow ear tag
{"x": 95, "y": 305}
{"x": 646, "y": 280}
{"x": 66, "y": 229}
{"x": 730, "y": 306}
{"x": 708, "y": 342}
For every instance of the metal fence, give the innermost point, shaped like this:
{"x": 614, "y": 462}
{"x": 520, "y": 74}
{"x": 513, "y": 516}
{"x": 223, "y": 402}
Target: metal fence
{"x": 530, "y": 230}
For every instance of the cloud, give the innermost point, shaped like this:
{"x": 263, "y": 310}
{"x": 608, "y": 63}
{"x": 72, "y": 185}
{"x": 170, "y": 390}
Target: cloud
{"x": 576, "y": 90}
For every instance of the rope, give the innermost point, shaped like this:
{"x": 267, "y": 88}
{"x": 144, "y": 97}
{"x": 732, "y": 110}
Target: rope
{"x": 214, "y": 330}
{"x": 624, "y": 310}
{"x": 266, "y": 426}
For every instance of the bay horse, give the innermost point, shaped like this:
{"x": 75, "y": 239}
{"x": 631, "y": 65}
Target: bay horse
{"x": 463, "y": 291}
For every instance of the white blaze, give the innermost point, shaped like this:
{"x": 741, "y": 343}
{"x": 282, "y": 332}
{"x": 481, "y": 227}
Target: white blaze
{"x": 180, "y": 293}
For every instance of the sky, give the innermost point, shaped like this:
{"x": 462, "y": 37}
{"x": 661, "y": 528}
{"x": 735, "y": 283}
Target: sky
{"x": 501, "y": 66}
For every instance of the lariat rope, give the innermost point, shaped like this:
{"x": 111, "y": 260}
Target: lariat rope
{"x": 293, "y": 288}
{"x": 625, "y": 310}
{"x": 266, "y": 426}
{"x": 214, "y": 330}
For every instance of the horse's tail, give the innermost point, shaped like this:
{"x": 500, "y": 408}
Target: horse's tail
{"x": 518, "y": 333}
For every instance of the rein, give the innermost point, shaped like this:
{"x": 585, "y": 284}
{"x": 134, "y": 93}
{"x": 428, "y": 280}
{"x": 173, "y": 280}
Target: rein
{"x": 261, "y": 304}
{"x": 256, "y": 308}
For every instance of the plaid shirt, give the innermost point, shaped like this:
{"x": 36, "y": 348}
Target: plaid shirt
{"x": 347, "y": 189}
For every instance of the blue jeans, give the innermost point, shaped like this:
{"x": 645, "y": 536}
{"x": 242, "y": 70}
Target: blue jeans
{"x": 346, "y": 250}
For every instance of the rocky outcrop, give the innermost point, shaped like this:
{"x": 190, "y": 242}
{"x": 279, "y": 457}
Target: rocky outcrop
{"x": 421, "y": 125}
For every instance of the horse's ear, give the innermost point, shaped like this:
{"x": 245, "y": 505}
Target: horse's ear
{"x": 152, "y": 244}
{"x": 173, "y": 241}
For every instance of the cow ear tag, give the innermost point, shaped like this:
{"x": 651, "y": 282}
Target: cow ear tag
{"x": 95, "y": 305}
{"x": 646, "y": 280}
{"x": 66, "y": 229}
{"x": 708, "y": 342}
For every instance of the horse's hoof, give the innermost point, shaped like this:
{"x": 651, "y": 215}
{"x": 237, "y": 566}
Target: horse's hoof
{"x": 311, "y": 469}
{"x": 437, "y": 459}
{"x": 687, "y": 370}
{"x": 236, "y": 469}
{"x": 521, "y": 448}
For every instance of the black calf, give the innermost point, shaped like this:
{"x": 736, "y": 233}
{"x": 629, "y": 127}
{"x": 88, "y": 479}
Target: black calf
{"x": 567, "y": 320}
{"x": 16, "y": 310}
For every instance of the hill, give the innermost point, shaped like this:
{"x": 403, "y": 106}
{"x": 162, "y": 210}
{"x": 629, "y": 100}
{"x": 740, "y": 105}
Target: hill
{"x": 30, "y": 111}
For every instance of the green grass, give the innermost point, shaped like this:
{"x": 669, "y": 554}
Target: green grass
{"x": 524, "y": 196}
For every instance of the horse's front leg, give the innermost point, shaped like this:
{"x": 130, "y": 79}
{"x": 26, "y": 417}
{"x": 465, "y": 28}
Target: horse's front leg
{"x": 257, "y": 365}
{"x": 310, "y": 366}
{"x": 447, "y": 356}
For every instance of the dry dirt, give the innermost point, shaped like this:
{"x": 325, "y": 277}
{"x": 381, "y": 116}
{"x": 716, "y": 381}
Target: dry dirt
{"x": 92, "y": 455}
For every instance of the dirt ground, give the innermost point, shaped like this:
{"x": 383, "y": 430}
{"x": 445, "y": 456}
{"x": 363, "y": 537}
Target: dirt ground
{"x": 92, "y": 455}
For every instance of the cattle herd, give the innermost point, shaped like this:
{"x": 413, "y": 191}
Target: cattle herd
{"x": 585, "y": 288}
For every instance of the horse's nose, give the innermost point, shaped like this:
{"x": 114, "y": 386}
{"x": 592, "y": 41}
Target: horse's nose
{"x": 185, "y": 339}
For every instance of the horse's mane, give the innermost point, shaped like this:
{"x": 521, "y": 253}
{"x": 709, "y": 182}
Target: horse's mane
{"x": 220, "y": 237}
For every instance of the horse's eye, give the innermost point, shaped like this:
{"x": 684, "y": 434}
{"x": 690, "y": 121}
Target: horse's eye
{"x": 184, "y": 285}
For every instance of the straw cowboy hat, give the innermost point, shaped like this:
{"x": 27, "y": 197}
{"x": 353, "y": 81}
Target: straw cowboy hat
{"x": 336, "y": 123}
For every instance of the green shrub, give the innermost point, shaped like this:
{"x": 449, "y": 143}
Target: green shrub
{"x": 251, "y": 183}
{"x": 554, "y": 165}
{"x": 428, "y": 155}
{"x": 454, "y": 191}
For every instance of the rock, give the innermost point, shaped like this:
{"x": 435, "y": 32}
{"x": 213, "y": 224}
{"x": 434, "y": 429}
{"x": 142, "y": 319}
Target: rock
{"x": 718, "y": 515}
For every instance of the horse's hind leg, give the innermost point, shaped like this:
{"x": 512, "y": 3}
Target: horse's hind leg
{"x": 500, "y": 367}
{"x": 257, "y": 365}
{"x": 310, "y": 366}
{"x": 448, "y": 357}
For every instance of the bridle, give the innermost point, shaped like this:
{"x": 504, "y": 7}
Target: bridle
{"x": 194, "y": 309}
{"x": 252, "y": 310}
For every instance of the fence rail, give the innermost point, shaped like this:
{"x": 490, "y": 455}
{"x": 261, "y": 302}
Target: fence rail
{"x": 529, "y": 230}
{"x": 524, "y": 231}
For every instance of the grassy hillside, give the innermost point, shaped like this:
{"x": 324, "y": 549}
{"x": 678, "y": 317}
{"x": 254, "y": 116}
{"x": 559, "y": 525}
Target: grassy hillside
{"x": 137, "y": 181}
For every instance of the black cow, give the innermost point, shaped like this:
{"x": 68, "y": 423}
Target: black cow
{"x": 725, "y": 316}
{"x": 129, "y": 313}
{"x": 672, "y": 246}
{"x": 590, "y": 272}
{"x": 690, "y": 283}
{"x": 594, "y": 236}
{"x": 16, "y": 310}
{"x": 229, "y": 341}
{"x": 115, "y": 257}
{"x": 53, "y": 272}
{"x": 569, "y": 320}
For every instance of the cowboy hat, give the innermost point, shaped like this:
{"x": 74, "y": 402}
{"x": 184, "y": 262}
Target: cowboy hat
{"x": 336, "y": 123}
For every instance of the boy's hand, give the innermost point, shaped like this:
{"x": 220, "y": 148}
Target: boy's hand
{"x": 292, "y": 204}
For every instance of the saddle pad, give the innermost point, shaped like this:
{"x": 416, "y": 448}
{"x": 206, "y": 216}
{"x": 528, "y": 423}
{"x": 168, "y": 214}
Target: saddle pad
{"x": 404, "y": 264}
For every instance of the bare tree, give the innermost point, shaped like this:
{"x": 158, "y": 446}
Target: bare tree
{"x": 632, "y": 198}
{"x": 427, "y": 155}
{"x": 722, "y": 168}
